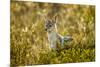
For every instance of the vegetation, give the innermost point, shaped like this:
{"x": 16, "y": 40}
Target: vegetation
{"x": 29, "y": 43}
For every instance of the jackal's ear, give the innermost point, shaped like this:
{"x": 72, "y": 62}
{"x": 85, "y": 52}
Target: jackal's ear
{"x": 55, "y": 18}
{"x": 45, "y": 18}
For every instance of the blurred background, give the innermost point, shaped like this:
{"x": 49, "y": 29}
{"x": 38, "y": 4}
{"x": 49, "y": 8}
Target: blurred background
{"x": 29, "y": 43}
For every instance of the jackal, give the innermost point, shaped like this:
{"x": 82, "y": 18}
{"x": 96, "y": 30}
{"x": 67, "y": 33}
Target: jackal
{"x": 53, "y": 36}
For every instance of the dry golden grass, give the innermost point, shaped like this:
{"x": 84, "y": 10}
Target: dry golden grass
{"x": 29, "y": 43}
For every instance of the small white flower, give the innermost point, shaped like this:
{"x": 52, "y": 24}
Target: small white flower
{"x": 25, "y": 29}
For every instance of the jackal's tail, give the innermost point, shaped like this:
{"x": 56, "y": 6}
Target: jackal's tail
{"x": 67, "y": 38}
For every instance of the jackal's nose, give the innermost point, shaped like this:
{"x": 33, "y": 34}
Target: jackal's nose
{"x": 45, "y": 29}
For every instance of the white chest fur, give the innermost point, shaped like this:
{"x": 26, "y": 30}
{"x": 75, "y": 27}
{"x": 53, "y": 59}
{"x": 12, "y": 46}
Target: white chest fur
{"x": 52, "y": 36}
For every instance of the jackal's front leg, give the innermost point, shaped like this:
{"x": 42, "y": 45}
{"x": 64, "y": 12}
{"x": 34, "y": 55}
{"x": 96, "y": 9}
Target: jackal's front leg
{"x": 53, "y": 45}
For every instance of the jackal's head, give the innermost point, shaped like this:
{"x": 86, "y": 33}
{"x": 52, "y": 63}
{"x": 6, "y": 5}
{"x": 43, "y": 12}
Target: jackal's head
{"x": 50, "y": 25}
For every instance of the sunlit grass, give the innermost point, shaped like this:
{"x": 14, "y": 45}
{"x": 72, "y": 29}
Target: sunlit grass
{"x": 29, "y": 42}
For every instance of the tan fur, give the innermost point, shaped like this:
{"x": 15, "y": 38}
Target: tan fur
{"x": 53, "y": 36}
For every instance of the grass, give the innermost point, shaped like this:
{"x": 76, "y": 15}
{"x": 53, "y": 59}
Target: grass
{"x": 29, "y": 43}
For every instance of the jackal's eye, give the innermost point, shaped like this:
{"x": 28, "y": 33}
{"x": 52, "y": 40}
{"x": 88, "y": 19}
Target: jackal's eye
{"x": 47, "y": 25}
{"x": 50, "y": 25}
